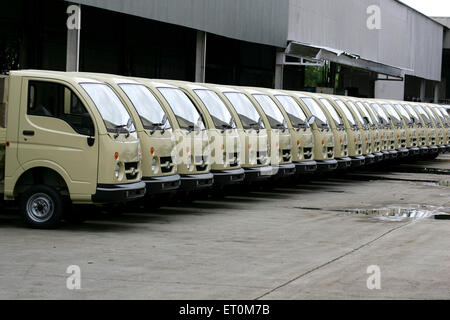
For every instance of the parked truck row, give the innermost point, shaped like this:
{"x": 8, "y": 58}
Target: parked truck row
{"x": 100, "y": 139}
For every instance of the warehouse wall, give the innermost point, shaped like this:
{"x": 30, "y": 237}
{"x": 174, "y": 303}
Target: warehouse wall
{"x": 406, "y": 39}
{"x": 261, "y": 21}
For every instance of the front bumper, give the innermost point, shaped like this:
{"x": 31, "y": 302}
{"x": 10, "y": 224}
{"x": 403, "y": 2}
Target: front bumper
{"x": 424, "y": 150}
{"x": 227, "y": 177}
{"x": 283, "y": 170}
{"x": 117, "y": 193}
{"x": 344, "y": 163}
{"x": 305, "y": 167}
{"x": 258, "y": 173}
{"x": 162, "y": 184}
{"x": 326, "y": 165}
{"x": 378, "y": 156}
{"x": 433, "y": 149}
{"x": 442, "y": 149}
{"x": 370, "y": 158}
{"x": 402, "y": 153}
{"x": 358, "y": 161}
{"x": 414, "y": 151}
{"x": 190, "y": 182}
{"x": 448, "y": 148}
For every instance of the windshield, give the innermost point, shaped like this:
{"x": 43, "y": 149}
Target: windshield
{"x": 432, "y": 114}
{"x": 355, "y": 110}
{"x": 346, "y": 111}
{"x": 185, "y": 111}
{"x": 392, "y": 113}
{"x": 150, "y": 111}
{"x": 403, "y": 112}
{"x": 380, "y": 112}
{"x": 372, "y": 113}
{"x": 413, "y": 113}
{"x": 219, "y": 112}
{"x": 315, "y": 110}
{"x": 424, "y": 114}
{"x": 114, "y": 114}
{"x": 336, "y": 117}
{"x": 247, "y": 112}
{"x": 271, "y": 110}
{"x": 365, "y": 112}
{"x": 443, "y": 114}
{"x": 295, "y": 113}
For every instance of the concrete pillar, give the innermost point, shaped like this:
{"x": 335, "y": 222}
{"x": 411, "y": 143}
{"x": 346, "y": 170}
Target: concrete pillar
{"x": 279, "y": 70}
{"x": 200, "y": 57}
{"x": 73, "y": 38}
{"x": 423, "y": 86}
{"x": 436, "y": 92}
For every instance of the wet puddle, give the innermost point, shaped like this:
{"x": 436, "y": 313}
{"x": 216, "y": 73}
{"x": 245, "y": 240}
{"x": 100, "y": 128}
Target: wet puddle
{"x": 395, "y": 213}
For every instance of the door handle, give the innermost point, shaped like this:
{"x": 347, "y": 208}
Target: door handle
{"x": 28, "y": 132}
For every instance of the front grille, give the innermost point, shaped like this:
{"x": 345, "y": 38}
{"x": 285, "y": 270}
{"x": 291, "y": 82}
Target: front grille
{"x": 307, "y": 153}
{"x": 330, "y": 152}
{"x": 130, "y": 165}
{"x": 234, "y": 159}
{"x": 201, "y": 163}
{"x": 166, "y": 164}
{"x": 261, "y": 157}
{"x": 286, "y": 155}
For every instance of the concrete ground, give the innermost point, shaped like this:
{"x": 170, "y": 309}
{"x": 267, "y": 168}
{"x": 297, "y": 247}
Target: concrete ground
{"x": 292, "y": 242}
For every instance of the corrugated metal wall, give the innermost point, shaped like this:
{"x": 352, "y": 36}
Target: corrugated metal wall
{"x": 407, "y": 38}
{"x": 260, "y": 21}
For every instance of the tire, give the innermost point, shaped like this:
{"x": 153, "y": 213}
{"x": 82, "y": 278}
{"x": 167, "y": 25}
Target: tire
{"x": 41, "y": 207}
{"x": 76, "y": 214}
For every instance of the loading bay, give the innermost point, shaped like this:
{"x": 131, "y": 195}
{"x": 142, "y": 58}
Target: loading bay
{"x": 319, "y": 239}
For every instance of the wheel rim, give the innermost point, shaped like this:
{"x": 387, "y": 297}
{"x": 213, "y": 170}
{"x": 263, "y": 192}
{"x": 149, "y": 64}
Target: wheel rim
{"x": 40, "y": 207}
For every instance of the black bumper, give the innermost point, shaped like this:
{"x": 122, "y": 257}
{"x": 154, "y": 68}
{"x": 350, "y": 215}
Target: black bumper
{"x": 117, "y": 193}
{"x": 370, "y": 158}
{"x": 424, "y": 150}
{"x": 402, "y": 153}
{"x": 163, "y": 184}
{"x": 448, "y": 148}
{"x": 326, "y": 165}
{"x": 258, "y": 173}
{"x": 227, "y": 177}
{"x": 344, "y": 163}
{"x": 358, "y": 161}
{"x": 284, "y": 170}
{"x": 414, "y": 151}
{"x": 442, "y": 149}
{"x": 191, "y": 182}
{"x": 433, "y": 149}
{"x": 305, "y": 167}
{"x": 378, "y": 156}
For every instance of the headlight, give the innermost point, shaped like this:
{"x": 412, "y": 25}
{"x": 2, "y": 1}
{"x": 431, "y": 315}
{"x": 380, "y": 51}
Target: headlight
{"x": 188, "y": 163}
{"x": 224, "y": 158}
{"x": 117, "y": 171}
{"x": 154, "y": 165}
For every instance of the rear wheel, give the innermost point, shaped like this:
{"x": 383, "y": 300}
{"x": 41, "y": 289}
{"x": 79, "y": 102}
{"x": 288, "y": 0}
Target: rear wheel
{"x": 41, "y": 207}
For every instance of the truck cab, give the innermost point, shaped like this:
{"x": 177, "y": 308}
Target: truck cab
{"x": 323, "y": 137}
{"x": 337, "y": 126}
{"x": 68, "y": 139}
{"x": 254, "y": 141}
{"x": 446, "y": 120}
{"x": 278, "y": 133}
{"x": 440, "y": 128}
{"x": 302, "y": 151}
{"x": 411, "y": 131}
{"x": 222, "y": 132}
{"x": 191, "y": 138}
{"x": 154, "y": 129}
{"x": 398, "y": 126}
{"x": 429, "y": 128}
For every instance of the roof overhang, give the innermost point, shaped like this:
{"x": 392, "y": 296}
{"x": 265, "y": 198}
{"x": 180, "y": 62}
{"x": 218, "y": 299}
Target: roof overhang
{"x": 303, "y": 50}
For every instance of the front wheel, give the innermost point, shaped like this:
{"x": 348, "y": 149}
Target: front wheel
{"x": 41, "y": 207}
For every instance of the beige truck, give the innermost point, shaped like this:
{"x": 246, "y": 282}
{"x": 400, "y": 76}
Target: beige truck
{"x": 159, "y": 169}
{"x": 65, "y": 139}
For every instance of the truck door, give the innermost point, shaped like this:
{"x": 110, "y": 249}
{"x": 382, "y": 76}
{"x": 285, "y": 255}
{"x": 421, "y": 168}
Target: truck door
{"x": 57, "y": 130}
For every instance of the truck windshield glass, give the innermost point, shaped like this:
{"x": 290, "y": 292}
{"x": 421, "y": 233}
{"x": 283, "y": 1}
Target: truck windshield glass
{"x": 219, "y": 112}
{"x": 315, "y": 110}
{"x": 187, "y": 115}
{"x": 365, "y": 112}
{"x": 392, "y": 113}
{"x": 272, "y": 111}
{"x": 247, "y": 112}
{"x": 114, "y": 114}
{"x": 424, "y": 114}
{"x": 380, "y": 112}
{"x": 443, "y": 114}
{"x": 403, "y": 112}
{"x": 413, "y": 113}
{"x": 337, "y": 119}
{"x": 150, "y": 111}
{"x": 355, "y": 110}
{"x": 295, "y": 113}
{"x": 347, "y": 112}
{"x": 372, "y": 113}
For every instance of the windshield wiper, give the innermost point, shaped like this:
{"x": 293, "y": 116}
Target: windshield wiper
{"x": 118, "y": 127}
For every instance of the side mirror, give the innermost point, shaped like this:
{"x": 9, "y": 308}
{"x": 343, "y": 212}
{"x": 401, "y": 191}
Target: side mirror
{"x": 311, "y": 120}
{"x": 87, "y": 124}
